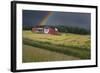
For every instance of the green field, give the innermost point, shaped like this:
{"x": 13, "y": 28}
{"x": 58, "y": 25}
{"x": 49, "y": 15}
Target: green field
{"x": 45, "y": 47}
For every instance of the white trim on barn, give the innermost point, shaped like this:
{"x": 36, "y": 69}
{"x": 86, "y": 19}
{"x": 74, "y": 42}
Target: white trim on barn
{"x": 46, "y": 30}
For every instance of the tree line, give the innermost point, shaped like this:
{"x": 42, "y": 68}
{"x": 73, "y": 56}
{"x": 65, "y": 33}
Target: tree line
{"x": 71, "y": 29}
{"x": 64, "y": 29}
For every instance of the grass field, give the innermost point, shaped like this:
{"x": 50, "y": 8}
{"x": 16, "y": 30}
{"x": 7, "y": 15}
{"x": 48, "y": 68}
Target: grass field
{"x": 46, "y": 47}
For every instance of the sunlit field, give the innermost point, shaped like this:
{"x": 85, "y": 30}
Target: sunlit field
{"x": 46, "y": 47}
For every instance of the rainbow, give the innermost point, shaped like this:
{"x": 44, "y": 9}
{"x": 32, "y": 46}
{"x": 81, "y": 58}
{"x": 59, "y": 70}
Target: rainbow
{"x": 45, "y": 19}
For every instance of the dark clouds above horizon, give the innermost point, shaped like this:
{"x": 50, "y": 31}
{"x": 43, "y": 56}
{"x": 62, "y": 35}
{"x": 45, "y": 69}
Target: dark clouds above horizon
{"x": 33, "y": 18}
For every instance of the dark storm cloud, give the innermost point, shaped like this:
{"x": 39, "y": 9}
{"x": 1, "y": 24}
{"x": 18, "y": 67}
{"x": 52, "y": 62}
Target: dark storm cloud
{"x": 31, "y": 18}
{"x": 70, "y": 19}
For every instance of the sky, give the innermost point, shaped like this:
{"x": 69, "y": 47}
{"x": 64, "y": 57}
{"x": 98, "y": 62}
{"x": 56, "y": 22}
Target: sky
{"x": 34, "y": 18}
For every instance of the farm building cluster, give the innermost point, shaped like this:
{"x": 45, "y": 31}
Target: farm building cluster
{"x": 45, "y": 30}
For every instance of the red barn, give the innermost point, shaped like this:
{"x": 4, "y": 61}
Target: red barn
{"x": 51, "y": 30}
